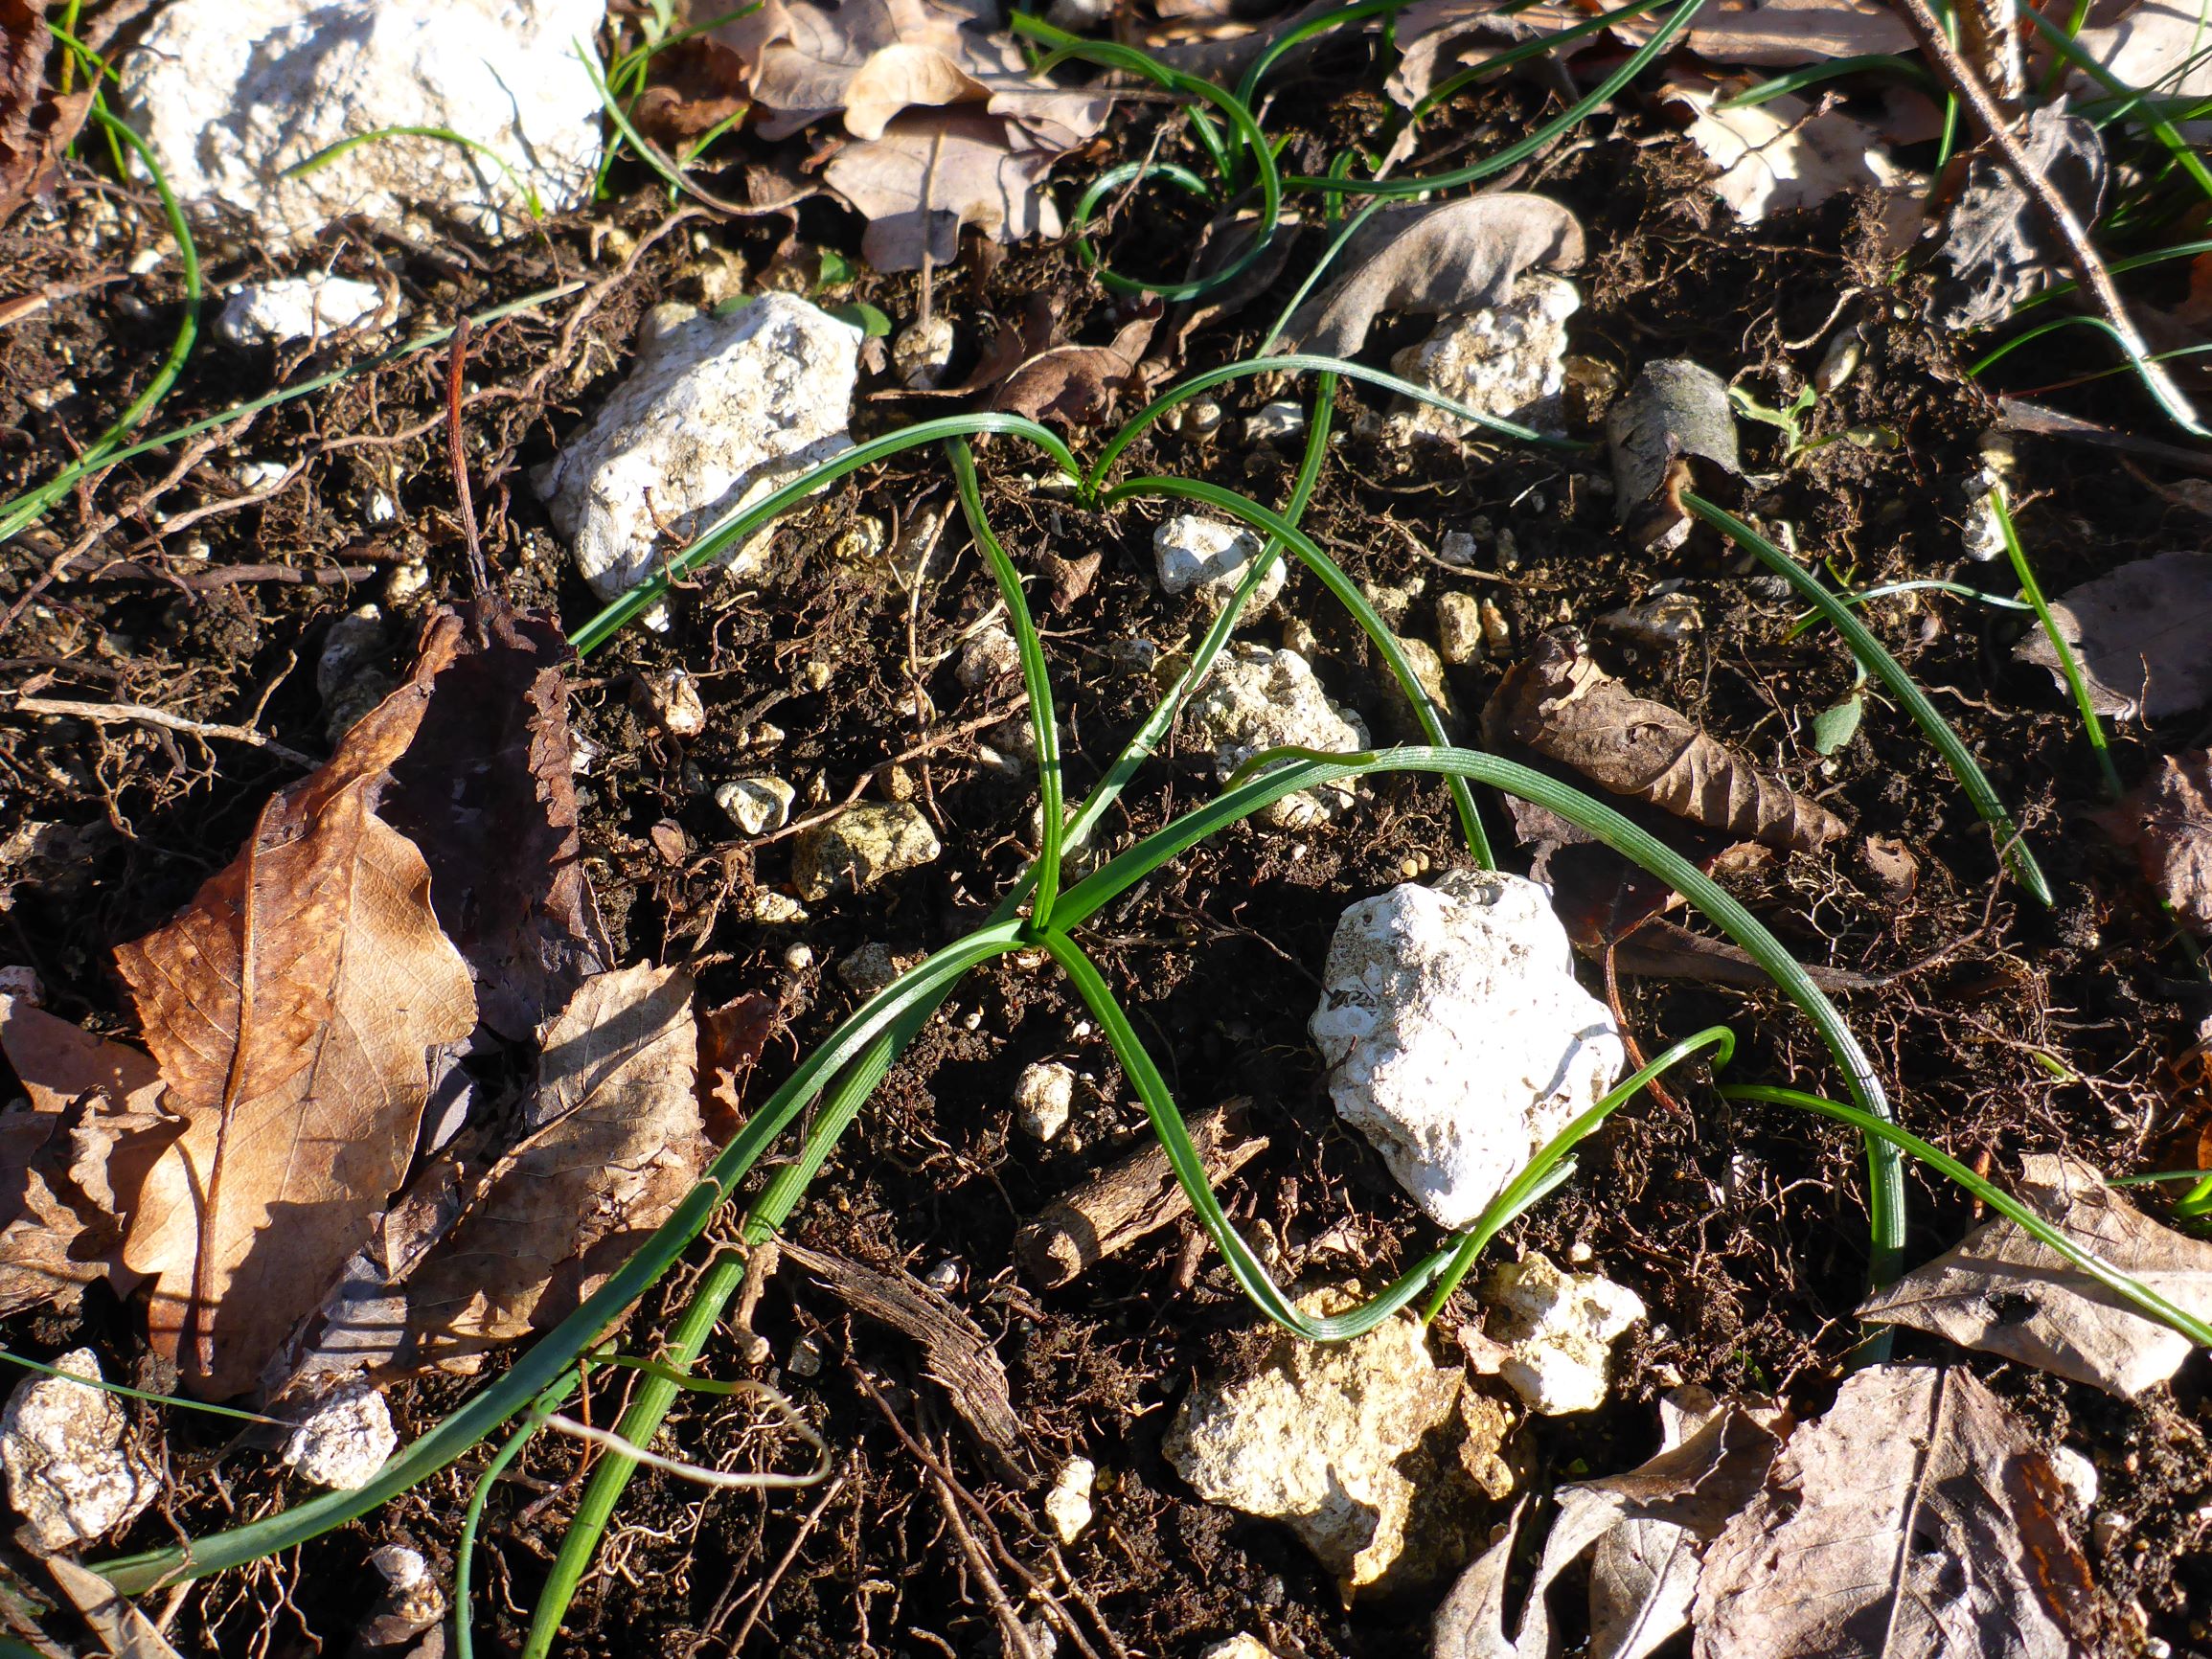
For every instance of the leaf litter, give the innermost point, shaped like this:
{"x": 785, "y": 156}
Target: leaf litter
{"x": 2005, "y": 1291}
{"x": 2139, "y": 636}
{"x": 2169, "y": 824}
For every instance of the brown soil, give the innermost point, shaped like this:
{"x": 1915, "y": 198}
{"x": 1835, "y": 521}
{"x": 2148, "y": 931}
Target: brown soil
{"x": 1743, "y": 1229}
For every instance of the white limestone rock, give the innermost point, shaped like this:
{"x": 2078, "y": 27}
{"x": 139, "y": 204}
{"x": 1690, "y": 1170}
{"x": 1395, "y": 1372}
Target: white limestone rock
{"x": 1559, "y": 1329}
{"x": 1507, "y": 361}
{"x": 1457, "y": 1039}
{"x": 1244, "y": 1644}
{"x": 1257, "y": 698}
{"x": 1276, "y": 423}
{"x": 1324, "y": 1438}
{"x": 1044, "y": 1099}
{"x": 1191, "y": 552}
{"x": 74, "y": 1473}
{"x": 853, "y": 850}
{"x": 344, "y": 1440}
{"x": 757, "y": 805}
{"x": 306, "y": 307}
{"x": 991, "y": 653}
{"x": 230, "y": 92}
{"x": 718, "y": 412}
{"x": 1069, "y": 1506}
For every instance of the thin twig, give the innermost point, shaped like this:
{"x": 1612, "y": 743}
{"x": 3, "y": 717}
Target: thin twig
{"x": 2050, "y": 206}
{"x": 767, "y": 1588}
{"x": 456, "y": 360}
{"x": 144, "y": 715}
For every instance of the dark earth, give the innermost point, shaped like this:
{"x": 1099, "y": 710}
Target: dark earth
{"x": 1743, "y": 1228}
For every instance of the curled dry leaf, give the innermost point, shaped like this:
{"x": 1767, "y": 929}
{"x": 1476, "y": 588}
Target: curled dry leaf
{"x": 2139, "y": 635}
{"x": 487, "y": 793}
{"x": 1648, "y": 1527}
{"x": 953, "y": 129}
{"x": 731, "y": 1040}
{"x": 36, "y": 120}
{"x": 1994, "y": 252}
{"x": 1560, "y": 703}
{"x": 2005, "y": 1291}
{"x": 611, "y": 1144}
{"x": 1436, "y": 39}
{"x": 1076, "y": 384}
{"x": 1433, "y": 260}
{"x": 1914, "y": 1519}
{"x": 74, "y": 1159}
{"x": 2169, "y": 824}
{"x": 292, "y": 1008}
{"x": 1672, "y": 430}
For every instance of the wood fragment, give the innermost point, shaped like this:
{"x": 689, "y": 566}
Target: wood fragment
{"x": 1130, "y": 1197}
{"x": 955, "y": 1352}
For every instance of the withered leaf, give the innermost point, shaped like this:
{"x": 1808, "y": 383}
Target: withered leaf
{"x": 731, "y": 1040}
{"x": 2139, "y": 636}
{"x": 1559, "y": 702}
{"x": 1648, "y": 1527}
{"x": 697, "y": 85}
{"x": 36, "y": 122}
{"x": 1437, "y": 38}
{"x": 1673, "y": 428}
{"x": 1433, "y": 260}
{"x": 971, "y": 169}
{"x": 1994, "y": 250}
{"x": 2005, "y": 1291}
{"x": 1076, "y": 384}
{"x": 292, "y": 1008}
{"x": 72, "y": 1162}
{"x": 1787, "y": 152}
{"x": 1785, "y": 34}
{"x": 487, "y": 793}
{"x": 2155, "y": 44}
{"x": 611, "y": 1144}
{"x": 2169, "y": 824}
{"x": 1915, "y": 1518}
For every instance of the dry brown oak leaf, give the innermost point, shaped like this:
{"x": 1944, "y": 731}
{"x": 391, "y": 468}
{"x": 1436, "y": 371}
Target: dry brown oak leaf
{"x": 1560, "y": 703}
{"x": 611, "y": 1144}
{"x": 291, "y": 1007}
{"x": 1914, "y": 1520}
{"x": 72, "y": 1159}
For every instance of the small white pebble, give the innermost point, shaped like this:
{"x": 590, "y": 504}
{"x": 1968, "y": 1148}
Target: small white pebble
{"x": 806, "y": 1357}
{"x": 673, "y": 696}
{"x": 345, "y": 1441}
{"x": 259, "y": 475}
{"x": 799, "y": 958}
{"x": 944, "y": 1275}
{"x": 381, "y": 509}
{"x": 2077, "y": 1475}
{"x": 1043, "y": 1098}
{"x": 1067, "y": 1505}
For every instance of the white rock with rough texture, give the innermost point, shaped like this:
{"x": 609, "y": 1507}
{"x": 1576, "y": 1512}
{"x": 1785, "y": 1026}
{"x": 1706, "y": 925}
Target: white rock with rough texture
{"x": 1210, "y": 555}
{"x": 1244, "y": 1644}
{"x": 72, "y": 1471}
{"x": 308, "y": 307}
{"x": 344, "y": 1440}
{"x": 672, "y": 695}
{"x": 1067, "y": 1505}
{"x": 757, "y": 805}
{"x": 1559, "y": 1329}
{"x": 853, "y": 850}
{"x": 718, "y": 413}
{"x": 1318, "y": 1438}
{"x": 991, "y": 654}
{"x": 1459, "y": 628}
{"x": 1507, "y": 361}
{"x": 1257, "y": 698}
{"x": 1457, "y": 1037}
{"x": 1044, "y": 1099}
{"x": 1275, "y": 423}
{"x": 230, "y": 92}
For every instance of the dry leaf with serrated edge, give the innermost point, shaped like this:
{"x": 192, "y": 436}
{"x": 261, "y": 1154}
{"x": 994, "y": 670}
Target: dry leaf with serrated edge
{"x": 1994, "y": 250}
{"x": 1914, "y": 1520}
{"x": 36, "y": 124}
{"x": 1436, "y": 39}
{"x": 2139, "y": 635}
{"x": 2003, "y": 1291}
{"x": 611, "y": 1144}
{"x": 1647, "y": 1527}
{"x": 291, "y": 1007}
{"x": 1560, "y": 703}
{"x": 1434, "y": 261}
{"x": 2162, "y": 47}
{"x": 73, "y": 1161}
{"x": 2169, "y": 824}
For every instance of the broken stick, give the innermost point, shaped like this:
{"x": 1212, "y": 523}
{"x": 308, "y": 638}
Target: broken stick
{"x": 1135, "y": 1195}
